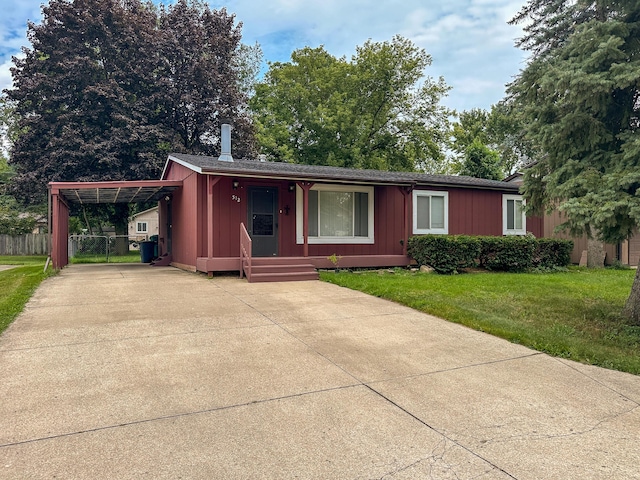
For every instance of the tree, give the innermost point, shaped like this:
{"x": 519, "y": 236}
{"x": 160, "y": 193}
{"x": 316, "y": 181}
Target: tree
{"x": 370, "y": 112}
{"x": 13, "y": 221}
{"x": 580, "y": 99}
{"x": 499, "y": 131}
{"x": 481, "y": 162}
{"x": 109, "y": 87}
{"x": 203, "y": 77}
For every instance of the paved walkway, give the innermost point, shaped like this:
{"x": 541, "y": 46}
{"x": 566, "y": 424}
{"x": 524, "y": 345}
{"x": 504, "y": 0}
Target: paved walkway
{"x": 130, "y": 371}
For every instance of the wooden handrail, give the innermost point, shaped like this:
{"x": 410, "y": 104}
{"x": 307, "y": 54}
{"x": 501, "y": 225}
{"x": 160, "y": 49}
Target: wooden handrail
{"x": 245, "y": 252}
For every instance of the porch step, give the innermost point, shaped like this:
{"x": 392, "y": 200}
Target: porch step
{"x": 281, "y": 270}
{"x": 284, "y": 277}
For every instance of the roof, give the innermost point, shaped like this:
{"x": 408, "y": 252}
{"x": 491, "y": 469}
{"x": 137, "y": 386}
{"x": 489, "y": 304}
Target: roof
{"x": 148, "y": 210}
{"x": 114, "y": 192}
{"x": 291, "y": 171}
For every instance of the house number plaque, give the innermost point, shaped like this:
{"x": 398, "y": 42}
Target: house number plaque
{"x": 235, "y": 198}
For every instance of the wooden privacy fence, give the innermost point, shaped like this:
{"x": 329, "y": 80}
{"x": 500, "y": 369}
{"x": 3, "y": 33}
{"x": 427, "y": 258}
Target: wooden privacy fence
{"x": 29, "y": 244}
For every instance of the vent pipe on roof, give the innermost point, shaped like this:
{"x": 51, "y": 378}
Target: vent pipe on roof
{"x": 225, "y": 140}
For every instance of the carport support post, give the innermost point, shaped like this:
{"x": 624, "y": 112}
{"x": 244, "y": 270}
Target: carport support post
{"x": 211, "y": 182}
{"x": 305, "y": 186}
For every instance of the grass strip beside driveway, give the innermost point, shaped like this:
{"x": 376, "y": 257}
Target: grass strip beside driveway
{"x": 573, "y": 314}
{"x": 18, "y": 284}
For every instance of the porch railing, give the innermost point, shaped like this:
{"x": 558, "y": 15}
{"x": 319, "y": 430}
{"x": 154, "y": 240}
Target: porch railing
{"x": 245, "y": 252}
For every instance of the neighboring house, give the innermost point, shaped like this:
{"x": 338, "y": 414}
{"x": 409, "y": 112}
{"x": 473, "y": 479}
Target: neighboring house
{"x": 281, "y": 221}
{"x": 627, "y": 252}
{"x": 144, "y": 224}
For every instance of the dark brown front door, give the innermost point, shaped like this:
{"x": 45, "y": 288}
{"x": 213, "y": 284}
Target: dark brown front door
{"x": 263, "y": 221}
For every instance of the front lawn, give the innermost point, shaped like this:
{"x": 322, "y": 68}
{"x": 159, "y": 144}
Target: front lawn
{"x": 18, "y": 284}
{"x": 573, "y": 314}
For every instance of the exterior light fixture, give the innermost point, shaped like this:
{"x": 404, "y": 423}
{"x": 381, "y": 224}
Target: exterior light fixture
{"x": 292, "y": 187}
{"x": 235, "y": 184}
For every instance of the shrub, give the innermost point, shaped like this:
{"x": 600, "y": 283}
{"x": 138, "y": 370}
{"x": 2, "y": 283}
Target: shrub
{"x": 552, "y": 253}
{"x": 509, "y": 254}
{"x": 449, "y": 253}
{"x": 444, "y": 253}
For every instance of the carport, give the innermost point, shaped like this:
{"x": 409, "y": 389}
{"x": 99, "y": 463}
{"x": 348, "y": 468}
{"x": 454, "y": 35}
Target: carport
{"x": 63, "y": 194}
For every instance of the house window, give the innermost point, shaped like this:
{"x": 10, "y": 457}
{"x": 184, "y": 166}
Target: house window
{"x": 430, "y": 212}
{"x": 141, "y": 227}
{"x": 337, "y": 214}
{"x": 514, "y": 221}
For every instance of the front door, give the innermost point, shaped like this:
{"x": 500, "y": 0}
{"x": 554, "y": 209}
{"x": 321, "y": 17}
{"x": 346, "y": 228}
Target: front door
{"x": 263, "y": 221}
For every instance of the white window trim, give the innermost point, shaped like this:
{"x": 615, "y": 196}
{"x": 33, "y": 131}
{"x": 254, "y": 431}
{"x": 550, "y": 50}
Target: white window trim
{"x": 515, "y": 231}
{"x": 138, "y": 227}
{"x": 430, "y": 193}
{"x": 369, "y": 239}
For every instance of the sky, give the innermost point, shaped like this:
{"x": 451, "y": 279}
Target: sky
{"x": 470, "y": 42}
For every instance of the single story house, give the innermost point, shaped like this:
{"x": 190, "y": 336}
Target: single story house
{"x": 280, "y": 221}
{"x": 144, "y": 224}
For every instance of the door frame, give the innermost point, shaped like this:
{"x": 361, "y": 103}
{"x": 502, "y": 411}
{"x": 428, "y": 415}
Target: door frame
{"x": 276, "y": 220}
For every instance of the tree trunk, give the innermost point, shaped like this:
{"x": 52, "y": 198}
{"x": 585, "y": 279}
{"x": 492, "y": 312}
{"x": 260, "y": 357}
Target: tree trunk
{"x": 595, "y": 253}
{"x": 632, "y": 308}
{"x": 120, "y": 221}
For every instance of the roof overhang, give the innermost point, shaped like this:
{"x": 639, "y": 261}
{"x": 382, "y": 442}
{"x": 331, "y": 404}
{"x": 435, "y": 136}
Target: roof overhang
{"x": 134, "y": 191}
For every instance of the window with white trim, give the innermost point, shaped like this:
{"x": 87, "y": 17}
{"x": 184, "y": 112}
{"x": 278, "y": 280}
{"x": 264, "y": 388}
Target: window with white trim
{"x": 430, "y": 212}
{"x": 514, "y": 220}
{"x": 337, "y": 214}
{"x": 141, "y": 227}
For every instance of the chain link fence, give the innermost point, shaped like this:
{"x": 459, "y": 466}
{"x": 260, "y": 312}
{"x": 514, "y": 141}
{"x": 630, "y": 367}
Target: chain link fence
{"x": 105, "y": 248}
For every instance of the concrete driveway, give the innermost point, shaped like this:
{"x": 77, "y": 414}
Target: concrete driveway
{"x": 130, "y": 371}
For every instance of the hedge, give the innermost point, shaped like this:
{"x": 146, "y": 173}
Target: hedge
{"x": 450, "y": 253}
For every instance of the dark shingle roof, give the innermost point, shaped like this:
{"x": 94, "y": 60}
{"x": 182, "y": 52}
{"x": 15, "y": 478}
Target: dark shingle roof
{"x": 292, "y": 171}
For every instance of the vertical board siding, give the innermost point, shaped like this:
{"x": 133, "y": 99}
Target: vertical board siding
{"x": 184, "y": 215}
{"x": 475, "y": 212}
{"x": 28, "y": 244}
{"x": 634, "y": 249}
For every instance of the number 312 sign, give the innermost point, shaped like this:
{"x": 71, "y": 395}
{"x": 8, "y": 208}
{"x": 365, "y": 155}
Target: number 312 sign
{"x": 235, "y": 198}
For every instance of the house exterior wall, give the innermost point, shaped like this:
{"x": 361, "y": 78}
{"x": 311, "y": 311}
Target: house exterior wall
{"x": 471, "y": 212}
{"x": 479, "y": 212}
{"x": 552, "y": 220}
{"x": 230, "y": 209}
{"x": 634, "y": 249}
{"x": 186, "y": 208}
{"x": 150, "y": 217}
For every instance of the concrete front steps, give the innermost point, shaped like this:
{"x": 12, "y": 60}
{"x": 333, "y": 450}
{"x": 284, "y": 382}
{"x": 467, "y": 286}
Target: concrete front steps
{"x": 274, "y": 269}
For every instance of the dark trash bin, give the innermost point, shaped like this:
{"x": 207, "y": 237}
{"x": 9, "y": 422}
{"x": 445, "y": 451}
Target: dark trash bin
{"x": 146, "y": 251}
{"x": 154, "y": 239}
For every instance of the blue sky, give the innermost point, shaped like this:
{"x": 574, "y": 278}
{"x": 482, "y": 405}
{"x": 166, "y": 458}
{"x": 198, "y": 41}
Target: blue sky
{"x": 471, "y": 45}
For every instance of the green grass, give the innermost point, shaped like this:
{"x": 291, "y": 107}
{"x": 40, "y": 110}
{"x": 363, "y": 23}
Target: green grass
{"x": 573, "y": 314}
{"x": 18, "y": 284}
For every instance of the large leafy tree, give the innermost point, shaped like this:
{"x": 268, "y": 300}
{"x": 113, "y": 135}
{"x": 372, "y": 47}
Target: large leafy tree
{"x": 480, "y": 136}
{"x": 375, "y": 111}
{"x": 108, "y": 87}
{"x": 580, "y": 99}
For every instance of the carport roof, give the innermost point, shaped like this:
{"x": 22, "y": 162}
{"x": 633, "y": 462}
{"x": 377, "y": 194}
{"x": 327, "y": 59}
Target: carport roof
{"x": 114, "y": 192}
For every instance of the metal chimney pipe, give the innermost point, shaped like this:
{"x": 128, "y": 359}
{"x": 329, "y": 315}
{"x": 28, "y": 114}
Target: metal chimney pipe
{"x": 225, "y": 140}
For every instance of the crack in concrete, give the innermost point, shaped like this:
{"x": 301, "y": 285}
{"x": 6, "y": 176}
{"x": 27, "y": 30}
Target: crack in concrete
{"x": 576, "y": 433}
{"x": 177, "y": 415}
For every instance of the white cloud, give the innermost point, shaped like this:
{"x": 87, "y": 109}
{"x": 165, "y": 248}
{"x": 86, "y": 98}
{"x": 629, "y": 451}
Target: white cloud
{"x": 469, "y": 40}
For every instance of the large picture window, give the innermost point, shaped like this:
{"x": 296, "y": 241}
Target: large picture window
{"x": 514, "y": 220}
{"x": 430, "y": 212}
{"x": 337, "y": 214}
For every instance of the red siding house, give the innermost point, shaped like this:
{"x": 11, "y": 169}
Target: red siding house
{"x": 281, "y": 221}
